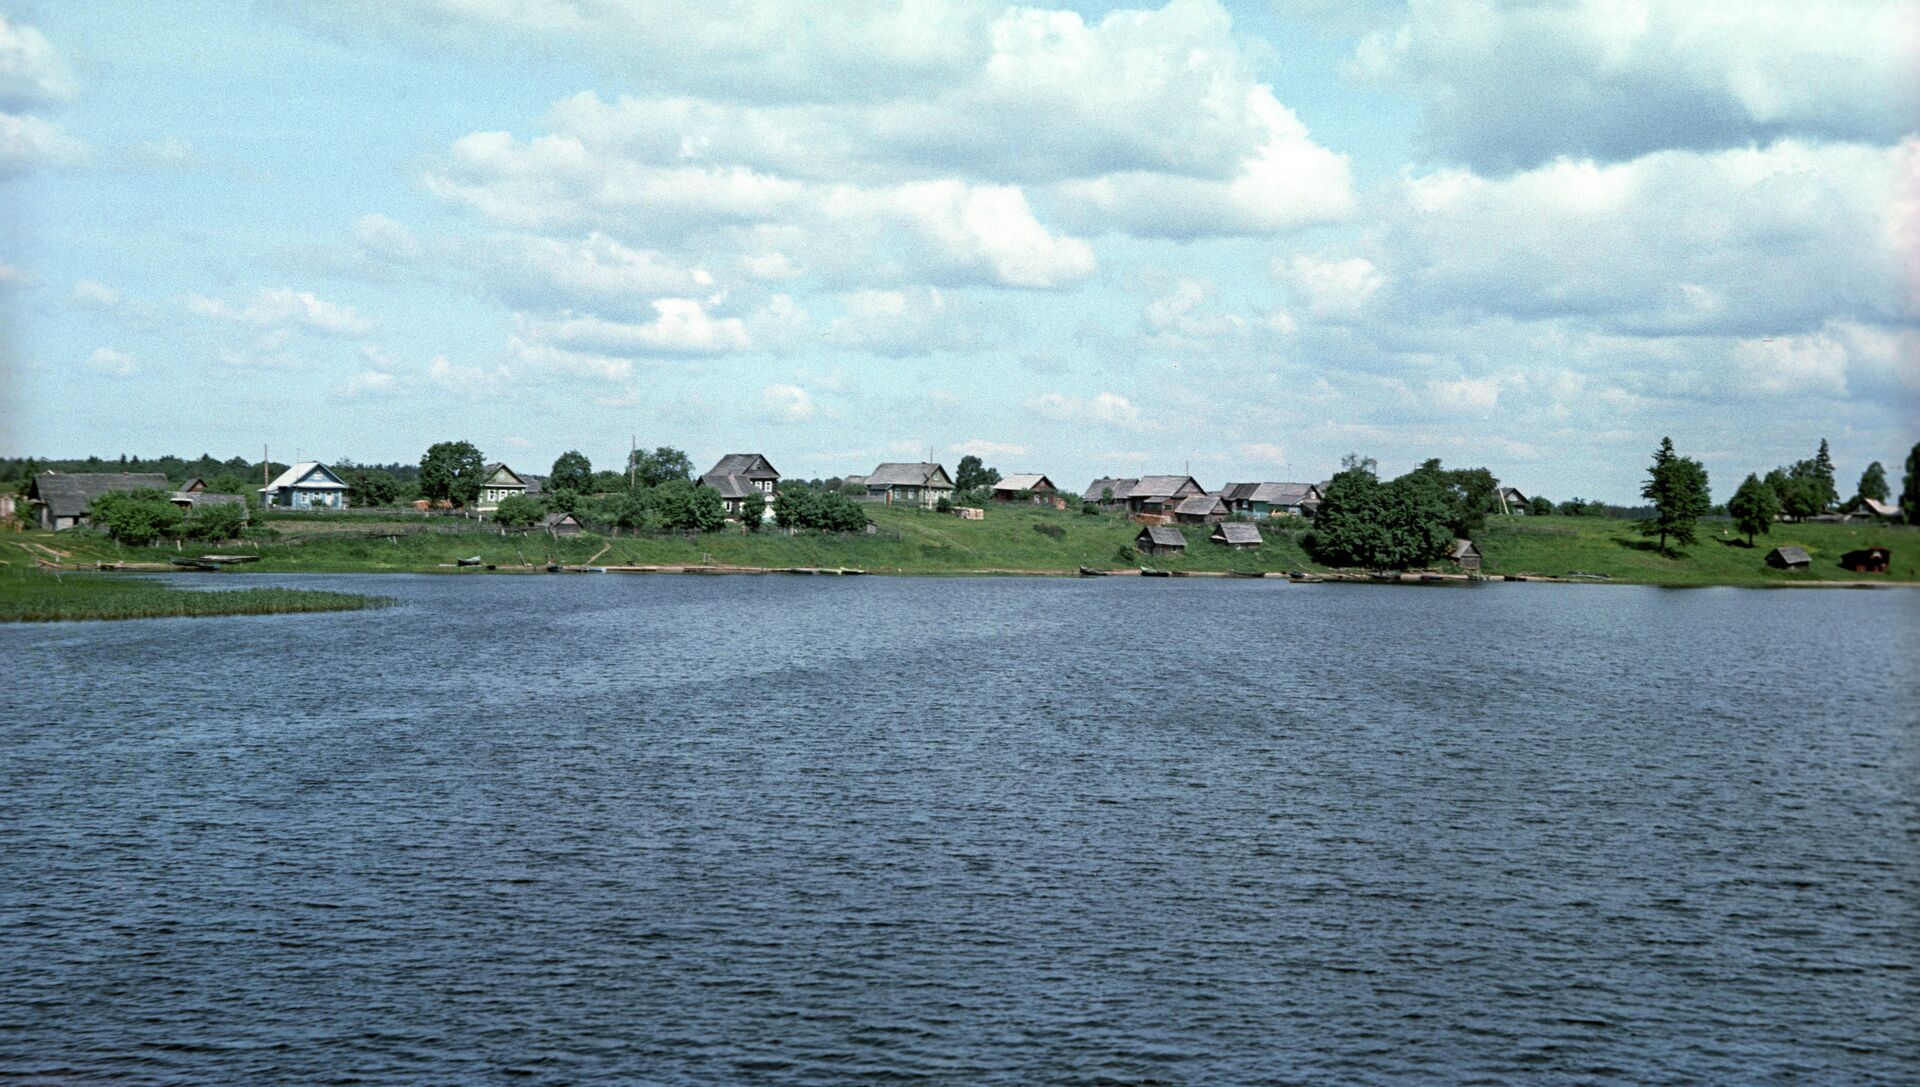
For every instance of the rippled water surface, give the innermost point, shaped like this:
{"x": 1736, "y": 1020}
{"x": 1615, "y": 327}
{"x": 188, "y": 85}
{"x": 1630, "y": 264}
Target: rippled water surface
{"x": 871, "y": 830}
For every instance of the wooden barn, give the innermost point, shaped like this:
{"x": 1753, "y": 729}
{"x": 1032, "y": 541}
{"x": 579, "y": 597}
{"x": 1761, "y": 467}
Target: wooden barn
{"x": 1160, "y": 540}
{"x": 64, "y": 500}
{"x": 1867, "y": 560}
{"x": 1200, "y": 509}
{"x": 561, "y": 524}
{"x": 1464, "y": 555}
{"x": 1789, "y": 558}
{"x": 1236, "y": 534}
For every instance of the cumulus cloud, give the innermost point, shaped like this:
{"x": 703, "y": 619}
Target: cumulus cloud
{"x": 1511, "y": 85}
{"x": 32, "y": 76}
{"x": 371, "y": 383}
{"x": 681, "y": 326}
{"x": 31, "y": 70}
{"x": 1109, "y": 409}
{"x": 28, "y": 142}
{"x": 980, "y": 447}
{"x": 12, "y": 277}
{"x": 545, "y": 357}
{"x": 1263, "y": 453}
{"x": 787, "y": 403}
{"x": 473, "y": 382}
{"x": 284, "y": 307}
{"x": 915, "y": 321}
{"x": 1331, "y": 288}
{"x": 1756, "y": 240}
{"x": 107, "y": 360}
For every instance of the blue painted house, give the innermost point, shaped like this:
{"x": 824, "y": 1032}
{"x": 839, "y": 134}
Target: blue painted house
{"x": 308, "y": 485}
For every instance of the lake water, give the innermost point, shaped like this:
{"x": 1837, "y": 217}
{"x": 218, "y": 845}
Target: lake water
{"x": 683, "y": 830}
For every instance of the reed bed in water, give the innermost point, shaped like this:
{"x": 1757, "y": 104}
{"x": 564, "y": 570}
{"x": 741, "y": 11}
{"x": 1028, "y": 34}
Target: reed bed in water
{"x": 39, "y": 597}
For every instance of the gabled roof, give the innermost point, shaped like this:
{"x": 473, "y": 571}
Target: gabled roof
{"x": 920, "y": 474}
{"x": 1120, "y": 488}
{"x": 71, "y": 494}
{"x": 1025, "y": 482}
{"x": 1163, "y": 486}
{"x": 1237, "y": 532}
{"x": 1462, "y": 549}
{"x": 553, "y": 519}
{"x": 1200, "y": 505}
{"x": 1875, "y": 506}
{"x": 1792, "y": 555}
{"x": 746, "y": 466}
{"x": 1163, "y": 536}
{"x": 1286, "y": 494}
{"x": 298, "y": 476}
{"x": 495, "y": 469}
{"x": 729, "y": 485}
{"x": 193, "y": 484}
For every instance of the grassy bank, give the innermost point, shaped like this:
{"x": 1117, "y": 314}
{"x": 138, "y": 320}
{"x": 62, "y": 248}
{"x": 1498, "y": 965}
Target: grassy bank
{"x": 1010, "y": 540}
{"x": 39, "y": 597}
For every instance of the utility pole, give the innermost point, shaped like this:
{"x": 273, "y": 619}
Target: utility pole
{"x": 265, "y": 465}
{"x": 633, "y": 446}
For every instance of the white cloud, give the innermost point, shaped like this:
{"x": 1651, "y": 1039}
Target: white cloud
{"x": 386, "y": 238}
{"x": 283, "y": 307}
{"x": 980, "y": 447}
{"x": 92, "y": 292}
{"x": 28, "y": 142}
{"x": 473, "y": 382}
{"x": 1756, "y": 240}
{"x": 1513, "y": 84}
{"x": 910, "y": 322}
{"x": 371, "y": 383}
{"x": 787, "y": 403}
{"x": 1263, "y": 453}
{"x": 546, "y": 357}
{"x": 1466, "y": 395}
{"x": 31, "y": 70}
{"x": 1110, "y": 409}
{"x": 681, "y": 326}
{"x": 1331, "y": 288}
{"x": 12, "y": 277}
{"x": 107, "y": 360}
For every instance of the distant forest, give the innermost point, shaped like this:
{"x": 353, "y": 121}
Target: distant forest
{"x": 236, "y": 475}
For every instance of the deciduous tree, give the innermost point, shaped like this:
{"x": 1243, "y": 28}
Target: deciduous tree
{"x": 663, "y": 465}
{"x": 451, "y": 471}
{"x": 571, "y": 471}
{"x": 1753, "y": 507}
{"x": 973, "y": 475}
{"x": 1873, "y": 483}
{"x": 137, "y": 517}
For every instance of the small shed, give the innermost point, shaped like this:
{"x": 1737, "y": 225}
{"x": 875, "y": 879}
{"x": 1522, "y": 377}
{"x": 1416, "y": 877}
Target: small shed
{"x": 1789, "y": 558}
{"x": 1236, "y": 534}
{"x": 1200, "y": 509}
{"x": 1867, "y": 560}
{"x": 1464, "y": 555}
{"x": 561, "y": 524}
{"x": 1160, "y": 540}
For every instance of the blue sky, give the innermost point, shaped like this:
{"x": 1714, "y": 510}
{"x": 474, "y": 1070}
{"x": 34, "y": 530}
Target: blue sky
{"x": 1081, "y": 240}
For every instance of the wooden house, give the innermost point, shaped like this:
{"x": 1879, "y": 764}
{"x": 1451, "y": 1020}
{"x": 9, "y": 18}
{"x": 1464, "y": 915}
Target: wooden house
{"x": 1200, "y": 509}
{"x": 561, "y": 524}
{"x": 1160, "y": 540}
{"x": 1789, "y": 558}
{"x": 1042, "y": 490}
{"x": 739, "y": 476}
{"x": 1464, "y": 555}
{"x": 308, "y": 485}
{"x": 909, "y": 484}
{"x": 64, "y": 500}
{"x": 1161, "y": 494}
{"x": 498, "y": 481}
{"x": 1237, "y": 535}
{"x": 1867, "y": 560}
{"x": 1109, "y": 492}
{"x": 1871, "y": 509}
{"x": 1272, "y": 499}
{"x": 1510, "y": 500}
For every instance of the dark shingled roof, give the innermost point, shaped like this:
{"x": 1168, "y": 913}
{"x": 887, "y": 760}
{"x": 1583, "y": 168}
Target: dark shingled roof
{"x": 553, "y": 520}
{"x": 920, "y": 474}
{"x": 1790, "y": 556}
{"x": 1163, "y": 536}
{"x": 746, "y": 466}
{"x": 729, "y": 485}
{"x": 72, "y": 494}
{"x": 1235, "y": 532}
{"x": 1201, "y": 505}
{"x": 1160, "y": 486}
{"x": 1120, "y": 488}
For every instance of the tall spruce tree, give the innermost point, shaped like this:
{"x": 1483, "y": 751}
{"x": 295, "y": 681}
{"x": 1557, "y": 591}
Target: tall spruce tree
{"x": 1829, "y": 491}
{"x": 1676, "y": 487}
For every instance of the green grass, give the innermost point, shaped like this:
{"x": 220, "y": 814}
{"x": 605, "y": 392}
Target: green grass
{"x": 916, "y": 542}
{"x": 33, "y": 596}
{"x": 1557, "y": 546}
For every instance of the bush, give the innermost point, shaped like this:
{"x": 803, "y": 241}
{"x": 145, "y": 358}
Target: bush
{"x": 1055, "y": 531}
{"x": 222, "y": 521}
{"x": 518, "y": 511}
{"x": 137, "y": 517}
